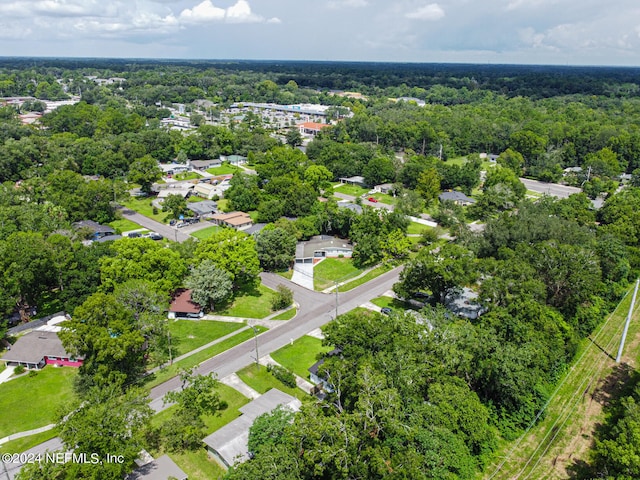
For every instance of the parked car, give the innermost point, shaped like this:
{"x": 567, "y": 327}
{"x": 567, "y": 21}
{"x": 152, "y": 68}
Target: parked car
{"x": 155, "y": 236}
{"x": 373, "y": 199}
{"x": 386, "y": 311}
{"x": 134, "y": 235}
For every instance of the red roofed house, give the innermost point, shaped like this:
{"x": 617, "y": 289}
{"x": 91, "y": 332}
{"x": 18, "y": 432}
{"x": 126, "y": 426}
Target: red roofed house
{"x": 183, "y": 307}
{"x": 312, "y": 128}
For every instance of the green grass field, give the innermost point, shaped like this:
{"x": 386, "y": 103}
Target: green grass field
{"x": 301, "y": 355}
{"x": 253, "y": 303}
{"x": 389, "y": 302}
{"x": 124, "y": 225}
{"x": 206, "y": 232}
{"x": 384, "y": 198}
{"x": 417, "y": 228}
{"x": 223, "y": 205}
{"x": 187, "y": 176}
{"x": 352, "y": 190}
{"x": 333, "y": 269}
{"x": 224, "y": 170}
{"x": 187, "y": 335}
{"x": 31, "y": 402}
{"x": 257, "y": 377}
{"x": 143, "y": 207}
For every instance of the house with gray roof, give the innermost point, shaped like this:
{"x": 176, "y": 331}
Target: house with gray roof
{"x": 456, "y": 197}
{"x": 230, "y": 444}
{"x": 204, "y": 208}
{"x": 162, "y": 468}
{"x": 38, "y": 348}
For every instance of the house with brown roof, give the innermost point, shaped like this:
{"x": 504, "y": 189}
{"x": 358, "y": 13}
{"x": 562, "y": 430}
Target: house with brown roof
{"x": 236, "y": 220}
{"x": 183, "y": 307}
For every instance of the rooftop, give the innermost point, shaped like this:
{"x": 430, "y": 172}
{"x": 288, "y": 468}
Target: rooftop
{"x": 32, "y": 347}
{"x": 160, "y": 469}
{"x": 455, "y": 196}
{"x": 182, "y": 303}
{"x": 94, "y": 226}
{"x": 231, "y": 441}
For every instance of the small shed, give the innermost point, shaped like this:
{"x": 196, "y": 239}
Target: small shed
{"x": 183, "y": 307}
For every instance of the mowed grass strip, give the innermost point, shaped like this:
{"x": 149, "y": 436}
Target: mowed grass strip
{"x": 286, "y": 315}
{"x": 301, "y": 355}
{"x": 171, "y": 371}
{"x": 19, "y": 445}
{"x": 187, "y": 335}
{"x": 376, "y": 272}
{"x": 34, "y": 401}
{"x": 332, "y": 270}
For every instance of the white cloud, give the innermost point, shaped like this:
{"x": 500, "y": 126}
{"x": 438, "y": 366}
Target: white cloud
{"x": 202, "y": 13}
{"x": 207, "y": 12}
{"x": 433, "y": 11}
{"x": 336, "y": 4}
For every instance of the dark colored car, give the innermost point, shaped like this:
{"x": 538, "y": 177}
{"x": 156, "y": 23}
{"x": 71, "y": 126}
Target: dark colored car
{"x": 134, "y": 235}
{"x": 155, "y": 236}
{"x": 386, "y": 311}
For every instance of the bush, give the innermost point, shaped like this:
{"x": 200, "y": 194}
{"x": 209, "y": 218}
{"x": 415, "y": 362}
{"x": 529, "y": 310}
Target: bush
{"x": 33, "y": 373}
{"x": 19, "y": 370}
{"x": 282, "y": 299}
{"x": 282, "y": 374}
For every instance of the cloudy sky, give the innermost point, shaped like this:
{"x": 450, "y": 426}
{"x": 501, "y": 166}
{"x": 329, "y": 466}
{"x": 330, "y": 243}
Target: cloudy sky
{"x": 565, "y": 32}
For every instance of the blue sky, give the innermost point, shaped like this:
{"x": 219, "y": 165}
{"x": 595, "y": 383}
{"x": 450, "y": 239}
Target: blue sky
{"x": 564, "y": 32}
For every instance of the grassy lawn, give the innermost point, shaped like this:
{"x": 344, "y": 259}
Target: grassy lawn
{"x": 198, "y": 466}
{"x": 333, "y": 269}
{"x": 376, "y": 272}
{"x": 124, "y": 225}
{"x": 224, "y": 170}
{"x": 301, "y": 355}
{"x": 384, "y": 198}
{"x": 417, "y": 228}
{"x": 352, "y": 190}
{"x": 187, "y": 176}
{"x": 249, "y": 303}
{"x": 389, "y": 302}
{"x": 171, "y": 371}
{"x": 25, "y": 443}
{"x": 288, "y": 274}
{"x": 187, "y": 335}
{"x": 286, "y": 315}
{"x": 143, "y": 207}
{"x": 206, "y": 232}
{"x": 195, "y": 199}
{"x": 223, "y": 205}
{"x": 32, "y": 402}
{"x": 257, "y": 377}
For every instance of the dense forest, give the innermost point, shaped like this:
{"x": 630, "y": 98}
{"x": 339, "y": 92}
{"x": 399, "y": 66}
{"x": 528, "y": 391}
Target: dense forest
{"x": 431, "y": 398}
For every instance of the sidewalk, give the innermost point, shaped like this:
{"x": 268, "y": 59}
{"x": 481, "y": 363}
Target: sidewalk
{"x": 6, "y": 373}
{"x": 235, "y": 382}
{"x": 14, "y": 436}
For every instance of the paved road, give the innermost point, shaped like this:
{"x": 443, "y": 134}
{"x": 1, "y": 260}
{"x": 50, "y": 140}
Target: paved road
{"x": 165, "y": 230}
{"x": 316, "y": 309}
{"x": 8, "y": 471}
{"x": 553, "y": 189}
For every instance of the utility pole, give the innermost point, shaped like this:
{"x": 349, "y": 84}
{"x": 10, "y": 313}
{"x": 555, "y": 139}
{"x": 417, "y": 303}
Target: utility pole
{"x": 336, "y": 297}
{"x": 626, "y": 323}
{"x": 255, "y": 336}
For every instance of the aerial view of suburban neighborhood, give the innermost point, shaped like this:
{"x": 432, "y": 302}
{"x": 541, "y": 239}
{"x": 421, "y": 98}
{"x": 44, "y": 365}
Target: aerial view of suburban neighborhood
{"x": 390, "y": 255}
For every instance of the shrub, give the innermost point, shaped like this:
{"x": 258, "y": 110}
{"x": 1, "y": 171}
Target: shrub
{"x": 282, "y": 374}
{"x": 282, "y": 299}
{"x": 19, "y": 370}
